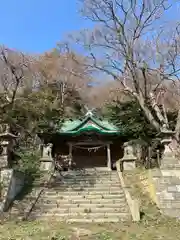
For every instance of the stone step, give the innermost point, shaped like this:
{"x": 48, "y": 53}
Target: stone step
{"x": 170, "y": 204}
{"x": 84, "y": 220}
{"x": 86, "y": 184}
{"x": 90, "y": 183}
{"x": 80, "y": 210}
{"x": 170, "y": 166}
{"x": 83, "y": 191}
{"x": 171, "y": 212}
{"x": 85, "y": 205}
{"x": 87, "y": 172}
{"x": 85, "y": 196}
{"x": 79, "y": 187}
{"x": 82, "y": 201}
{"x": 86, "y": 176}
{"x": 82, "y": 176}
{"x": 98, "y": 220}
{"x": 86, "y": 179}
{"x": 79, "y": 215}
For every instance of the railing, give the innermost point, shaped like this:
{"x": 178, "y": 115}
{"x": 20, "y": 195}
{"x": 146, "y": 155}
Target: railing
{"x": 132, "y": 203}
{"x": 31, "y": 207}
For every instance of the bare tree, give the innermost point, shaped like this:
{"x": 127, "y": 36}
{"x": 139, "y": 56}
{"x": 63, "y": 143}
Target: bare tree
{"x": 13, "y": 76}
{"x": 130, "y": 43}
{"x": 64, "y": 70}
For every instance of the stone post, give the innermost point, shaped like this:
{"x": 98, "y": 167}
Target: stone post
{"x": 128, "y": 162}
{"x": 46, "y": 159}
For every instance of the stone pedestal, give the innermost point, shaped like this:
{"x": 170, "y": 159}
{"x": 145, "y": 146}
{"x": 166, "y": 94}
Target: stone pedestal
{"x": 46, "y": 164}
{"x": 46, "y": 160}
{"x": 128, "y": 162}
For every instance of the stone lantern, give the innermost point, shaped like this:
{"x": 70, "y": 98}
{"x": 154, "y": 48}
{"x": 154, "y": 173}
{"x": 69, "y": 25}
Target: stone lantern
{"x": 7, "y": 140}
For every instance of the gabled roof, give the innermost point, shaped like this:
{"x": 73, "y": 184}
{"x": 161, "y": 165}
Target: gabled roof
{"x": 88, "y": 124}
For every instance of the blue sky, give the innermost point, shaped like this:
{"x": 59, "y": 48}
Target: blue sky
{"x": 37, "y": 25}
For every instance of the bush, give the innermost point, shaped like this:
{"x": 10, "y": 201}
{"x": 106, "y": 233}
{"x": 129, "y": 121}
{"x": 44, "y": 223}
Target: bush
{"x": 29, "y": 163}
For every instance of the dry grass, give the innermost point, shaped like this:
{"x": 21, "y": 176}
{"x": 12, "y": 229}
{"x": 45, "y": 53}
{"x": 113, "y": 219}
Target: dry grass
{"x": 153, "y": 225}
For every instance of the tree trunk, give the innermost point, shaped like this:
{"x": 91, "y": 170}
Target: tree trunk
{"x": 157, "y": 110}
{"x": 147, "y": 112}
{"x": 177, "y": 129}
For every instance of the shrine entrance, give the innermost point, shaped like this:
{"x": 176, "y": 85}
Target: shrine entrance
{"x": 90, "y": 155}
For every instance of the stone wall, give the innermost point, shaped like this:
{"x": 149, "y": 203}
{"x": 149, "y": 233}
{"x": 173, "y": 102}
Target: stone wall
{"x": 167, "y": 184}
{"x": 12, "y": 183}
{"x": 163, "y": 188}
{"x": 148, "y": 186}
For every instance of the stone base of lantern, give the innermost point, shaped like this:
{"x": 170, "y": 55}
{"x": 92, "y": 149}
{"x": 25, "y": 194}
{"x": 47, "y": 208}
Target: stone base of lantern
{"x": 46, "y": 164}
{"x": 3, "y": 162}
{"x": 128, "y": 164}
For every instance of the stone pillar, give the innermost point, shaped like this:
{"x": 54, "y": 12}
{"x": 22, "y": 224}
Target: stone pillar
{"x": 128, "y": 162}
{"x": 46, "y": 159}
{"x": 108, "y": 156}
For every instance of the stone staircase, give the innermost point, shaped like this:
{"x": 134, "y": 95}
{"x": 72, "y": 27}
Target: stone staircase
{"x": 23, "y": 202}
{"x": 83, "y": 196}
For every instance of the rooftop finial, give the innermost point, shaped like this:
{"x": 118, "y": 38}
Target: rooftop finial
{"x": 89, "y": 112}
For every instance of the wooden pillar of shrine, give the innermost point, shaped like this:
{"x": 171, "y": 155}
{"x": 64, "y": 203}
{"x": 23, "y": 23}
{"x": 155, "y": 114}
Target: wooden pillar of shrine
{"x": 70, "y": 154}
{"x": 108, "y": 156}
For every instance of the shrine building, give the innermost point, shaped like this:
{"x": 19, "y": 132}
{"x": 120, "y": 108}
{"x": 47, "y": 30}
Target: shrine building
{"x": 89, "y": 142}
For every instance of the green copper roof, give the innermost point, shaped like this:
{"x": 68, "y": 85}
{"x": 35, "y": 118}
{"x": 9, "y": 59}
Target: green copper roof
{"x": 89, "y": 123}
